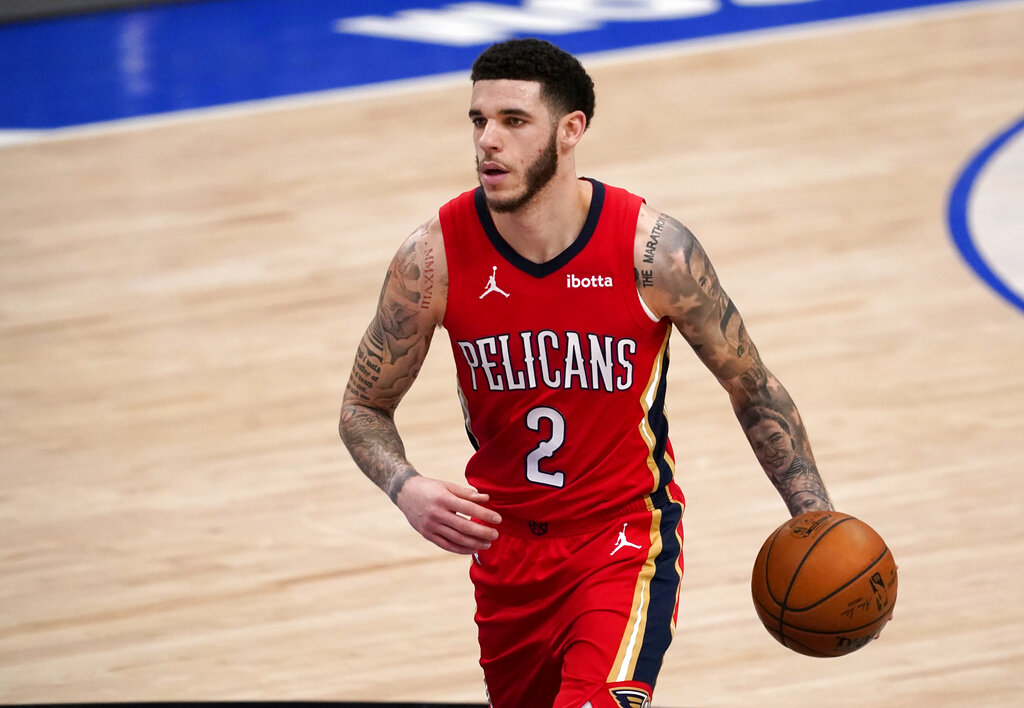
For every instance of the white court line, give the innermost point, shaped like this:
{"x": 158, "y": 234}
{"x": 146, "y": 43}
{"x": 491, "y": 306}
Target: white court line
{"x": 673, "y": 48}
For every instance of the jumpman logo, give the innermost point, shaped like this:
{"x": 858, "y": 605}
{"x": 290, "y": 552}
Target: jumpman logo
{"x": 622, "y": 542}
{"x": 492, "y": 286}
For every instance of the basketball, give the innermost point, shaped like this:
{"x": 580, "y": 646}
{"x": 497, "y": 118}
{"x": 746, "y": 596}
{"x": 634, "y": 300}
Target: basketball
{"x": 824, "y": 584}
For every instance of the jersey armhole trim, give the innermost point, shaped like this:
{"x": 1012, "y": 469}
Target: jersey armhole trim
{"x": 647, "y": 310}
{"x": 629, "y": 225}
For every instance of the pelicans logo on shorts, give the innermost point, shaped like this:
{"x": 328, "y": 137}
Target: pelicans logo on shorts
{"x": 631, "y": 697}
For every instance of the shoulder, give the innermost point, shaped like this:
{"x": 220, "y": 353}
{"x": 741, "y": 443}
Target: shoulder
{"x": 419, "y": 269}
{"x": 667, "y": 259}
{"x": 657, "y": 232}
{"x": 427, "y": 237}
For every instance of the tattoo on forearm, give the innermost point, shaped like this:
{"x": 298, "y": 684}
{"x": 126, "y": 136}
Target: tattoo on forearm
{"x": 779, "y": 442}
{"x": 805, "y": 492}
{"x": 754, "y": 381}
{"x": 373, "y": 441}
{"x": 398, "y": 481}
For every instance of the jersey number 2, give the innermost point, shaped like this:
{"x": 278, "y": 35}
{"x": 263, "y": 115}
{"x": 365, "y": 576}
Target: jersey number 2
{"x": 546, "y": 448}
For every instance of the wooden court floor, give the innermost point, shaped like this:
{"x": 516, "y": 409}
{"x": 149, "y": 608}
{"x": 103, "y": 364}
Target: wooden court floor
{"x": 181, "y": 302}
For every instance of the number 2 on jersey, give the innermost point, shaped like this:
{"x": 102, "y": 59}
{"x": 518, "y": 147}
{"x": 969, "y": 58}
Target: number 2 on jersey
{"x": 546, "y": 448}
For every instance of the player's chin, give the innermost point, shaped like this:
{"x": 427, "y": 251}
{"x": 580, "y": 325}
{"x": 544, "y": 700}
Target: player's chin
{"x": 503, "y": 201}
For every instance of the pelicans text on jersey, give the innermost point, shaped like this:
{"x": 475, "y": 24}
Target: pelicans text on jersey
{"x": 561, "y": 368}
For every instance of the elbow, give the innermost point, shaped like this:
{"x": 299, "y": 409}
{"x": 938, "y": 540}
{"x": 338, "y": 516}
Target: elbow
{"x": 348, "y": 418}
{"x": 357, "y": 416}
{"x": 343, "y": 419}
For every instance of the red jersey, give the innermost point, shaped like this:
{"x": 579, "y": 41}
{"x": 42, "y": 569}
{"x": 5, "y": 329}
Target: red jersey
{"x": 561, "y": 368}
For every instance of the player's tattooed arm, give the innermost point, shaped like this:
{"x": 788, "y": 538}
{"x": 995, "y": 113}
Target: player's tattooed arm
{"x": 390, "y": 355}
{"x": 676, "y": 279}
{"x": 387, "y": 361}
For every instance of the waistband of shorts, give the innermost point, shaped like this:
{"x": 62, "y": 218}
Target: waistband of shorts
{"x": 543, "y": 528}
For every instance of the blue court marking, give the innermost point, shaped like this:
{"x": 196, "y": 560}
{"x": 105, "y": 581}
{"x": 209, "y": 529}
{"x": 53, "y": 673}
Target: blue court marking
{"x": 959, "y": 225}
{"x": 113, "y": 65}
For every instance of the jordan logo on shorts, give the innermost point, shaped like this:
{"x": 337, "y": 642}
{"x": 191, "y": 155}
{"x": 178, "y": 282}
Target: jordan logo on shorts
{"x": 623, "y": 541}
{"x": 492, "y": 285}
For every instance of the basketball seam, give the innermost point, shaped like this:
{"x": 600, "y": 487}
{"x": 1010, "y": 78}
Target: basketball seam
{"x": 800, "y": 565}
{"x": 842, "y": 587}
{"x": 784, "y": 605}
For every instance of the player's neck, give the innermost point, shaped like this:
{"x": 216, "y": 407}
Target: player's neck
{"x": 552, "y": 220}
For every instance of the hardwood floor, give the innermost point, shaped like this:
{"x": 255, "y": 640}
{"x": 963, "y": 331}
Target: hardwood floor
{"x": 182, "y": 299}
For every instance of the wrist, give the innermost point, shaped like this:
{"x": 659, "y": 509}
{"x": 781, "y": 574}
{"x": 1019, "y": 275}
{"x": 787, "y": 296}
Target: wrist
{"x": 398, "y": 482}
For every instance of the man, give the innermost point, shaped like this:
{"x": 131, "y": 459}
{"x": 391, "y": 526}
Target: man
{"x": 559, "y": 295}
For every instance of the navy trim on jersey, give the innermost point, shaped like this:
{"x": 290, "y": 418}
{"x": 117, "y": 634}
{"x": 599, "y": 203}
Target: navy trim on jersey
{"x": 664, "y": 593}
{"x": 658, "y": 422}
{"x": 540, "y": 270}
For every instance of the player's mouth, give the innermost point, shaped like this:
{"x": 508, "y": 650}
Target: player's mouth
{"x": 491, "y": 173}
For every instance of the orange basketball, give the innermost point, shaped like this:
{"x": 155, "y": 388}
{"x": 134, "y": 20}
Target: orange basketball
{"x": 824, "y": 584}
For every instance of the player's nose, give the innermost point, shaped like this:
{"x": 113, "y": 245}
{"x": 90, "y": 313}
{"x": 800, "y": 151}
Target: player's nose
{"x": 490, "y": 137}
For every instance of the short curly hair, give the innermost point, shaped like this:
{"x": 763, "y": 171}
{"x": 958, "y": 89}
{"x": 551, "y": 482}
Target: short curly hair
{"x": 564, "y": 82}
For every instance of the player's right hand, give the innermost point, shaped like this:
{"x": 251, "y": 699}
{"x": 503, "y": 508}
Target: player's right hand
{"x": 443, "y": 513}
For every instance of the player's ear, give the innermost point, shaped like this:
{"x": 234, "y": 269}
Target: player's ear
{"x": 571, "y": 128}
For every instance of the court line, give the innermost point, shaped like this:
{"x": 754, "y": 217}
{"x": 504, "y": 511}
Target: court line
{"x": 959, "y": 226}
{"x": 954, "y": 8}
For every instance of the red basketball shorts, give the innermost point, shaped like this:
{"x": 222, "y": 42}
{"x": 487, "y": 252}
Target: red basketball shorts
{"x": 568, "y": 615}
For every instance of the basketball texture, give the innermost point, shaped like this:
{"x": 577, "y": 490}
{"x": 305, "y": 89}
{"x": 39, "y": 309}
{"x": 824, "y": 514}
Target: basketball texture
{"x": 824, "y": 584}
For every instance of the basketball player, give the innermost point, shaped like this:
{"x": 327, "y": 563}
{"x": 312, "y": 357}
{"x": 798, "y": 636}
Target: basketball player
{"x": 559, "y": 295}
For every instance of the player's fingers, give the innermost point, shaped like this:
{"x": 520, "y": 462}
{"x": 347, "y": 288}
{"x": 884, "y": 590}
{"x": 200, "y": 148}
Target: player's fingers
{"x": 469, "y": 493}
{"x": 473, "y": 529}
{"x": 469, "y": 510}
{"x": 459, "y": 533}
{"x": 453, "y": 540}
{"x": 445, "y": 544}
{"x": 469, "y": 502}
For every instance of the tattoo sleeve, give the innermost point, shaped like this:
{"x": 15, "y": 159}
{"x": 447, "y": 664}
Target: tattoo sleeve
{"x": 711, "y": 323}
{"x": 387, "y": 361}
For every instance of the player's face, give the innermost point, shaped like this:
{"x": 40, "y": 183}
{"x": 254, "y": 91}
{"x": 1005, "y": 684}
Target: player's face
{"x": 772, "y": 445}
{"x": 514, "y": 135}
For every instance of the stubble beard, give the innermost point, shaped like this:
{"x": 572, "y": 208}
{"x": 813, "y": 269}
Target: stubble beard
{"x": 538, "y": 175}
